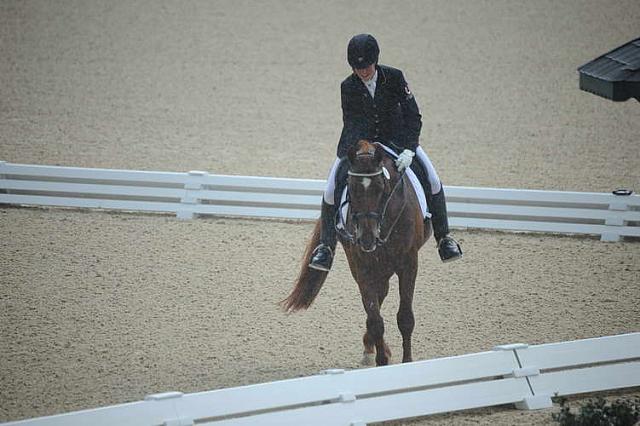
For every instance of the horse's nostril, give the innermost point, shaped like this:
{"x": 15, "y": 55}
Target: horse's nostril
{"x": 369, "y": 249}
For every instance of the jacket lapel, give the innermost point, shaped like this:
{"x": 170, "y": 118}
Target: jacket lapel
{"x": 382, "y": 80}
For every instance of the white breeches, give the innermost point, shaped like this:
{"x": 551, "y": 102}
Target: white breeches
{"x": 331, "y": 183}
{"x": 422, "y": 156}
{"x": 434, "y": 179}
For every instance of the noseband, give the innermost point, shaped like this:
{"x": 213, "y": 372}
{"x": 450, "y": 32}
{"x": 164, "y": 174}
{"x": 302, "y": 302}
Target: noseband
{"x": 379, "y": 217}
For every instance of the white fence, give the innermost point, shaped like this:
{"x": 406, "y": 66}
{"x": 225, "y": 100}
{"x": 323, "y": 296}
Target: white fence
{"x": 199, "y": 193}
{"x": 527, "y": 376}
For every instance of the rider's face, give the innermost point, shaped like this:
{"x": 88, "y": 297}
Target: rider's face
{"x": 367, "y": 73}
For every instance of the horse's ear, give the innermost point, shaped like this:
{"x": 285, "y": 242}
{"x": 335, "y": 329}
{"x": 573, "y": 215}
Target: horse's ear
{"x": 379, "y": 155}
{"x": 352, "y": 152}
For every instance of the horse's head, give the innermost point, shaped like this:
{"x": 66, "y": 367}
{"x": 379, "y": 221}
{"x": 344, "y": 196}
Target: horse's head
{"x": 368, "y": 182}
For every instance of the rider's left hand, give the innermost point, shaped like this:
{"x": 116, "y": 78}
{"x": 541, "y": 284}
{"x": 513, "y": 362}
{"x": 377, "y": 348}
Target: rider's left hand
{"x": 404, "y": 159}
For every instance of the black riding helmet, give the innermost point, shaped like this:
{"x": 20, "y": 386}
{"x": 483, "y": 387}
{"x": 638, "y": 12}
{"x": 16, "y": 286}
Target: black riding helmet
{"x": 362, "y": 51}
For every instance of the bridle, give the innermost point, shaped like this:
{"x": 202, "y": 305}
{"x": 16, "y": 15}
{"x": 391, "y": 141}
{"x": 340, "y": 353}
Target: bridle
{"x": 379, "y": 214}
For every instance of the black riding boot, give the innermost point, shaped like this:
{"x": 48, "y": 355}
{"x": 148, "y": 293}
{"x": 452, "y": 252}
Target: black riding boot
{"x": 448, "y": 248}
{"x": 323, "y": 254}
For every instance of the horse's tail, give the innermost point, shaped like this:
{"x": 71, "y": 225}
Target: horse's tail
{"x": 309, "y": 280}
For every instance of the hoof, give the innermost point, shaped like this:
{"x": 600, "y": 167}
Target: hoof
{"x": 368, "y": 359}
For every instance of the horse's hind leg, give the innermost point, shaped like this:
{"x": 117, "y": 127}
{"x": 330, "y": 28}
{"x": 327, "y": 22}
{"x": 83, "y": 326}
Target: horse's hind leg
{"x": 406, "y": 321}
{"x": 372, "y": 298}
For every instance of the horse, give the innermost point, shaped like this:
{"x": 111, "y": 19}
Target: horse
{"x": 381, "y": 236}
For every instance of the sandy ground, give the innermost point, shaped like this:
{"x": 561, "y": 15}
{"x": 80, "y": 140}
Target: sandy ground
{"x": 103, "y": 308}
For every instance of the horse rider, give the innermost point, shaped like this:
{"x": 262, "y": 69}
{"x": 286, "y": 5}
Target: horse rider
{"x": 377, "y": 105}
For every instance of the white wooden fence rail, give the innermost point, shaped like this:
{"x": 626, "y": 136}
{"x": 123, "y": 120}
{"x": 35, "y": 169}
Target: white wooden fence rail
{"x": 527, "y": 376}
{"x": 199, "y": 193}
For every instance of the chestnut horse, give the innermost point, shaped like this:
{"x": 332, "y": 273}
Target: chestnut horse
{"x": 381, "y": 237}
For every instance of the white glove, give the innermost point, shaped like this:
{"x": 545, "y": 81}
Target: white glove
{"x": 404, "y": 159}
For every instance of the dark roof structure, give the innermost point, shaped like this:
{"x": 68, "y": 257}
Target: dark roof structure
{"x": 614, "y": 75}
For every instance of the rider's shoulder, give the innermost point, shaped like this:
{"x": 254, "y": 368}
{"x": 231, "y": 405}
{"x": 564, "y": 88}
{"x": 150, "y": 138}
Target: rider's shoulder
{"x": 390, "y": 73}
{"x": 350, "y": 81}
{"x": 389, "y": 69}
{"x": 351, "y": 86}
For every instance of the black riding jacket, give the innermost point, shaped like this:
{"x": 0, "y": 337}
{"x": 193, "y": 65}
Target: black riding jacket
{"x": 392, "y": 117}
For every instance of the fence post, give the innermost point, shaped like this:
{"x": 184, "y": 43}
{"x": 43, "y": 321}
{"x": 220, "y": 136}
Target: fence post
{"x": 169, "y": 401}
{"x": 344, "y": 397}
{"x": 193, "y": 185}
{"x": 2, "y": 177}
{"x": 532, "y": 401}
{"x": 619, "y": 205}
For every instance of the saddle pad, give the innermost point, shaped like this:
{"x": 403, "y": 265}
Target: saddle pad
{"x": 417, "y": 187}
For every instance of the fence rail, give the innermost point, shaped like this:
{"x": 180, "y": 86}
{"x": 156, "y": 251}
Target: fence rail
{"x": 527, "y": 376}
{"x": 200, "y": 193}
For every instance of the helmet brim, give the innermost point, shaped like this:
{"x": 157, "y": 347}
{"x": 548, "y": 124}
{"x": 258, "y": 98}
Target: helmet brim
{"x": 362, "y": 66}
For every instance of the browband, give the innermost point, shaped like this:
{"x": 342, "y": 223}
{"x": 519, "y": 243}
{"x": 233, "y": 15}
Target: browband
{"x": 379, "y": 172}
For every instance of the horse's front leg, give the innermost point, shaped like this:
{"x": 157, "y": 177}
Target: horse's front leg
{"x": 406, "y": 322}
{"x": 375, "y": 326}
{"x": 369, "y": 355}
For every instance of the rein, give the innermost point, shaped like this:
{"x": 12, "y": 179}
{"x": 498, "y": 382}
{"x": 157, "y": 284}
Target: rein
{"x": 399, "y": 184}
